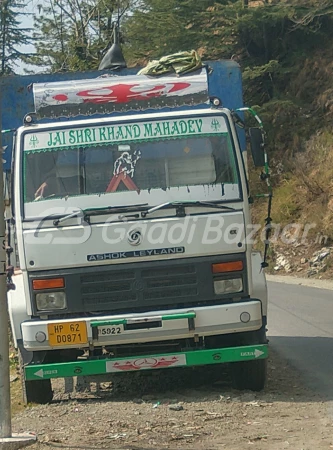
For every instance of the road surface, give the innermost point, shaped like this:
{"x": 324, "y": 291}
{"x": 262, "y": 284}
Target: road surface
{"x": 300, "y": 323}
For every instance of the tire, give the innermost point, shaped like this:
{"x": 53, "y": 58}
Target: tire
{"x": 39, "y": 392}
{"x": 249, "y": 374}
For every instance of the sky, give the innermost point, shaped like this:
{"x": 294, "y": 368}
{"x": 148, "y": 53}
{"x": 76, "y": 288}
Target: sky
{"x": 27, "y": 22}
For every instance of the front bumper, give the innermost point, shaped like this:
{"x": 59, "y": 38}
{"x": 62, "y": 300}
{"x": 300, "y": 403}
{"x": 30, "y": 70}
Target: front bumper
{"x": 120, "y": 365}
{"x": 137, "y": 328}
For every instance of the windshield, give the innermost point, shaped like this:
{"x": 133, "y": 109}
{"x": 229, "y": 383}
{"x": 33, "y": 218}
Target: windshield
{"x": 128, "y": 166}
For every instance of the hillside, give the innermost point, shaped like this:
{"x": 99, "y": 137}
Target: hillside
{"x": 299, "y": 123}
{"x": 294, "y": 95}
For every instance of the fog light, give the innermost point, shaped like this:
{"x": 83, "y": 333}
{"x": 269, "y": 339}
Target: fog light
{"x": 245, "y": 317}
{"x": 51, "y": 300}
{"x": 40, "y": 336}
{"x": 228, "y": 286}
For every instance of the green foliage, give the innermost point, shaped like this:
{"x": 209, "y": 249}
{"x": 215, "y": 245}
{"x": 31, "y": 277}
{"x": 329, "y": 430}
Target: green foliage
{"x": 160, "y": 27}
{"x": 72, "y": 35}
{"x": 12, "y": 36}
{"x": 253, "y": 73}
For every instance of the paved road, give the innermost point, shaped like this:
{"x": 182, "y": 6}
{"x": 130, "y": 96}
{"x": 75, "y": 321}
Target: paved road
{"x": 300, "y": 322}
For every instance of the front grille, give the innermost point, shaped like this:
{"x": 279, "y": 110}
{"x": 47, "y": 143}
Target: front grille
{"x": 169, "y": 271}
{"x": 105, "y": 300}
{"x": 109, "y": 276}
{"x": 142, "y": 286}
{"x": 165, "y": 283}
{"x": 139, "y": 286}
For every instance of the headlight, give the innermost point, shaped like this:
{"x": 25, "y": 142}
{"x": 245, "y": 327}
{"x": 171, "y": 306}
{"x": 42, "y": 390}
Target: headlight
{"x": 228, "y": 286}
{"x": 47, "y": 301}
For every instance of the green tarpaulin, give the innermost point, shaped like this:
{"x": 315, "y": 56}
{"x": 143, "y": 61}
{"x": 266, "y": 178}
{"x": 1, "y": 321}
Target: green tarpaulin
{"x": 179, "y": 63}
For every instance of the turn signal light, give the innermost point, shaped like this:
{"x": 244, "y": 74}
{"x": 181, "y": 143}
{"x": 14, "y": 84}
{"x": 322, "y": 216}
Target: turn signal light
{"x": 49, "y": 283}
{"x": 233, "y": 266}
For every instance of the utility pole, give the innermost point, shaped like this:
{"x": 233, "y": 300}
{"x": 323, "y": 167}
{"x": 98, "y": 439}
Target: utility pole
{"x": 7, "y": 440}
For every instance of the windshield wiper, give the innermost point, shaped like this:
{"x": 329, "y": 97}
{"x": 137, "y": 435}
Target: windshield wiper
{"x": 86, "y": 213}
{"x": 78, "y": 213}
{"x": 181, "y": 205}
{"x": 107, "y": 209}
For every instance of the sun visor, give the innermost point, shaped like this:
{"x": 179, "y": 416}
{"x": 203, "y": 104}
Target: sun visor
{"x": 104, "y": 95}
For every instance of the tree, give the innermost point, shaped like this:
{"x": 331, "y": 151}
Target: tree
{"x": 12, "y": 36}
{"x": 160, "y": 27}
{"x": 73, "y": 35}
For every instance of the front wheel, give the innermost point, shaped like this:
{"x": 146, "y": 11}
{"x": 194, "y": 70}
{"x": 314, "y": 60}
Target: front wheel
{"x": 39, "y": 392}
{"x": 249, "y": 374}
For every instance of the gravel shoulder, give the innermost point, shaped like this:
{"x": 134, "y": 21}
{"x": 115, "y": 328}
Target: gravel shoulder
{"x": 141, "y": 414}
{"x": 310, "y": 282}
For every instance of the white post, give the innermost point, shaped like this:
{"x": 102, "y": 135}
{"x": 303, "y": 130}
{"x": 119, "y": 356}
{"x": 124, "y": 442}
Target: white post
{"x": 7, "y": 440}
{"x": 5, "y": 409}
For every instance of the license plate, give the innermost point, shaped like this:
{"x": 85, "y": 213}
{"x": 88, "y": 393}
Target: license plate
{"x": 68, "y": 333}
{"x": 110, "y": 330}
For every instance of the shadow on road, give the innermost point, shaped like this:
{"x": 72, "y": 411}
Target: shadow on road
{"x": 311, "y": 358}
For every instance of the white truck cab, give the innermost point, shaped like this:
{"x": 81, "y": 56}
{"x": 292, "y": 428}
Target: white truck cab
{"x": 130, "y": 234}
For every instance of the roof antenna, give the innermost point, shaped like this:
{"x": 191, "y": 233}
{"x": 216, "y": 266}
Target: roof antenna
{"x": 114, "y": 58}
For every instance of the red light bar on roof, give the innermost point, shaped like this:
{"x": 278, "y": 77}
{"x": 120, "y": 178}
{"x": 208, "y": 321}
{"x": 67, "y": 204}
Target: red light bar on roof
{"x": 119, "y": 93}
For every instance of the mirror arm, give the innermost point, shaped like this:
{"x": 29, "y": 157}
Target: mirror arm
{"x": 237, "y": 120}
{"x": 265, "y": 176}
{"x": 268, "y": 230}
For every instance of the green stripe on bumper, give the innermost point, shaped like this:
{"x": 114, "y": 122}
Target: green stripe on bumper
{"x": 189, "y": 315}
{"x": 183, "y": 359}
{"x": 105, "y": 323}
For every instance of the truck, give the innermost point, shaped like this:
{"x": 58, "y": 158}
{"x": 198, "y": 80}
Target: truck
{"x": 128, "y": 211}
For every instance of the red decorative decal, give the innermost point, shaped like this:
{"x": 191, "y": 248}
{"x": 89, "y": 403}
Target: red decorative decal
{"x": 123, "y": 93}
{"x": 102, "y": 94}
{"x": 117, "y": 179}
{"x": 61, "y": 97}
{"x": 146, "y": 363}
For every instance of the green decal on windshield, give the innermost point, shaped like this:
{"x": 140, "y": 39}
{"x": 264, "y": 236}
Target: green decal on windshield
{"x": 120, "y": 133}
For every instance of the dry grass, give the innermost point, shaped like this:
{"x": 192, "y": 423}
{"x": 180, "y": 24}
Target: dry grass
{"x": 16, "y": 395}
{"x": 15, "y": 386}
{"x": 304, "y": 193}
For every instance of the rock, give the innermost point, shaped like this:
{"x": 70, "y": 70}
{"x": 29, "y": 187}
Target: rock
{"x": 288, "y": 268}
{"x": 304, "y": 260}
{"x": 283, "y": 263}
{"x": 312, "y": 272}
{"x": 314, "y": 260}
{"x": 13, "y": 378}
{"x": 323, "y": 268}
{"x": 323, "y": 255}
{"x": 117, "y": 436}
{"x": 176, "y": 408}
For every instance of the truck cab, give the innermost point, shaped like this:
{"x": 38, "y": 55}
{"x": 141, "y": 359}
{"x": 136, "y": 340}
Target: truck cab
{"x": 130, "y": 233}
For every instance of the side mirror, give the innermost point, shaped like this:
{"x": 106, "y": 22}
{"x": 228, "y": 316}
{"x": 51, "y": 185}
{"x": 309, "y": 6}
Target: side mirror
{"x": 257, "y": 146}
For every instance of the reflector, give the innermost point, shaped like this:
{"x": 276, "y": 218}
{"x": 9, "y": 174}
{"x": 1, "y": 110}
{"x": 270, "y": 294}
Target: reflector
{"x": 49, "y": 283}
{"x": 232, "y": 266}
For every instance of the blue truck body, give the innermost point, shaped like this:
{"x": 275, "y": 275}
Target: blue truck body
{"x": 224, "y": 82}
